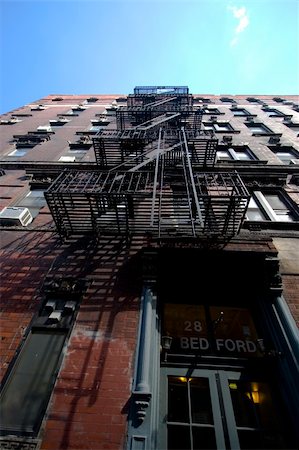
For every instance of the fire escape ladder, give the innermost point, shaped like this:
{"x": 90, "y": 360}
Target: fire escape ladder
{"x": 158, "y": 121}
{"x": 189, "y": 196}
{"x": 156, "y": 179}
{"x": 160, "y": 102}
{"x": 197, "y": 119}
{"x": 190, "y": 177}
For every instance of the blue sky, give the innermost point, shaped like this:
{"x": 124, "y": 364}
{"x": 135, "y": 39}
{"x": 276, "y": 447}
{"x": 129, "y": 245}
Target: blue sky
{"x": 110, "y": 46}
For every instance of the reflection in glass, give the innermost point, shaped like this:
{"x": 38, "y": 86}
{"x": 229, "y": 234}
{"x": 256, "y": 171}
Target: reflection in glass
{"x": 177, "y": 400}
{"x": 26, "y": 393}
{"x": 203, "y": 438}
{"x": 254, "y": 408}
{"x": 178, "y": 437}
{"x": 189, "y": 405}
{"x": 201, "y": 406}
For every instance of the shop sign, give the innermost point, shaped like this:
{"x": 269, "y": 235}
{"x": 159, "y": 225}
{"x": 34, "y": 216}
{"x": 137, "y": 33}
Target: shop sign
{"x": 210, "y": 330}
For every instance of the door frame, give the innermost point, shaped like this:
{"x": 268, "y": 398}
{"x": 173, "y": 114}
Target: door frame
{"x": 224, "y": 419}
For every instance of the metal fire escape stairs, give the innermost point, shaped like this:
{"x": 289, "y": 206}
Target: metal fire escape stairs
{"x": 162, "y": 190}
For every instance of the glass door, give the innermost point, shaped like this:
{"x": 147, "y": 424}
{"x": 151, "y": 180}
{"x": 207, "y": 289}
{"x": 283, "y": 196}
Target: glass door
{"x": 216, "y": 409}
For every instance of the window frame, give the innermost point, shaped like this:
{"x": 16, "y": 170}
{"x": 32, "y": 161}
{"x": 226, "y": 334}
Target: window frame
{"x": 232, "y": 152}
{"x": 284, "y": 149}
{"x": 266, "y": 131}
{"x": 212, "y": 126}
{"x": 63, "y": 296}
{"x": 271, "y": 217}
{"x": 242, "y": 110}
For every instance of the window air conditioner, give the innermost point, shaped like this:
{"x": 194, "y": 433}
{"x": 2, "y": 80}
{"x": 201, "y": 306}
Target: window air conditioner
{"x": 15, "y": 216}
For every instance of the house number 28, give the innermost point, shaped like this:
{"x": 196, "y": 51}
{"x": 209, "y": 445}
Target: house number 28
{"x": 192, "y": 326}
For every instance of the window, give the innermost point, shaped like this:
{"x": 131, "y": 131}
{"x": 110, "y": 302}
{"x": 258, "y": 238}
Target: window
{"x": 78, "y": 153}
{"x": 45, "y": 128}
{"x": 253, "y": 100}
{"x": 121, "y": 99}
{"x": 193, "y": 411}
{"x": 202, "y": 100}
{"x": 18, "y": 152}
{"x": 100, "y": 122}
{"x": 78, "y": 108}
{"x": 285, "y": 154}
{"x": 272, "y": 206}
{"x": 11, "y": 121}
{"x": 22, "y": 115}
{"x": 34, "y": 201}
{"x": 38, "y": 108}
{"x": 272, "y": 112}
{"x": 26, "y": 393}
{"x": 227, "y": 100}
{"x": 240, "y": 112}
{"x": 278, "y": 99}
{"x": 259, "y": 129}
{"x": 30, "y": 383}
{"x": 236, "y": 153}
{"x": 254, "y": 212}
{"x": 210, "y": 111}
{"x": 71, "y": 112}
{"x": 220, "y": 127}
{"x": 58, "y": 122}
{"x": 67, "y": 158}
{"x": 293, "y": 126}
{"x": 94, "y": 129}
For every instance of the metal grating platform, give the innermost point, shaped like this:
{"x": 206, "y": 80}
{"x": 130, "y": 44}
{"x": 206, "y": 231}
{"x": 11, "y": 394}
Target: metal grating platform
{"x": 150, "y": 176}
{"x": 159, "y": 203}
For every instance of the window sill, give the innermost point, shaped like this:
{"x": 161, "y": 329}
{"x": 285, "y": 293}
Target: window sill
{"x": 238, "y": 161}
{"x": 255, "y": 225}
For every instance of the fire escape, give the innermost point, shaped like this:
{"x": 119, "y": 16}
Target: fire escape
{"x": 154, "y": 175}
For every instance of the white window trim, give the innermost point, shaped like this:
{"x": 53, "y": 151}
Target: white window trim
{"x": 266, "y": 206}
{"x": 234, "y": 155}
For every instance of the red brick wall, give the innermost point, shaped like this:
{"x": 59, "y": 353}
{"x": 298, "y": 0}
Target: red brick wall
{"x": 25, "y": 260}
{"x": 89, "y": 405}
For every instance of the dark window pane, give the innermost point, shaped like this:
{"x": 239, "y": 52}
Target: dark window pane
{"x": 254, "y": 407}
{"x": 243, "y": 156}
{"x": 243, "y": 404}
{"x": 178, "y": 438}
{"x": 255, "y": 440}
{"x": 275, "y": 201}
{"x": 250, "y": 440}
{"x": 178, "y": 400}
{"x": 201, "y": 405}
{"x": 203, "y": 438}
{"x": 26, "y": 392}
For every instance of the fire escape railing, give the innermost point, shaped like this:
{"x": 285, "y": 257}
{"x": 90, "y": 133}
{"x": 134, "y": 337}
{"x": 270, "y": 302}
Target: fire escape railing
{"x": 151, "y": 176}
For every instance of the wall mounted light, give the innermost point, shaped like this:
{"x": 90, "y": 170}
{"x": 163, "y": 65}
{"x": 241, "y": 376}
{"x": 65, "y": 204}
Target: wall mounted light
{"x": 166, "y": 342}
{"x": 267, "y": 351}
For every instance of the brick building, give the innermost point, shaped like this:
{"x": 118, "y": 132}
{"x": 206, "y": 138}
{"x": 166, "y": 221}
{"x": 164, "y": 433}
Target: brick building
{"x": 150, "y": 272}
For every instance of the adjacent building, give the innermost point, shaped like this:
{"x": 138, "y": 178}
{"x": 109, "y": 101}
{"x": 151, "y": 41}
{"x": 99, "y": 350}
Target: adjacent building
{"x": 150, "y": 272}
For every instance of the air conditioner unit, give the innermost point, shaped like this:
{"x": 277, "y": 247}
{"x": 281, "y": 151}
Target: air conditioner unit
{"x": 15, "y": 216}
{"x": 227, "y": 138}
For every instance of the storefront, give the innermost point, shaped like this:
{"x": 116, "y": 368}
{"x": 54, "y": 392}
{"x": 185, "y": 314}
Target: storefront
{"x": 217, "y": 364}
